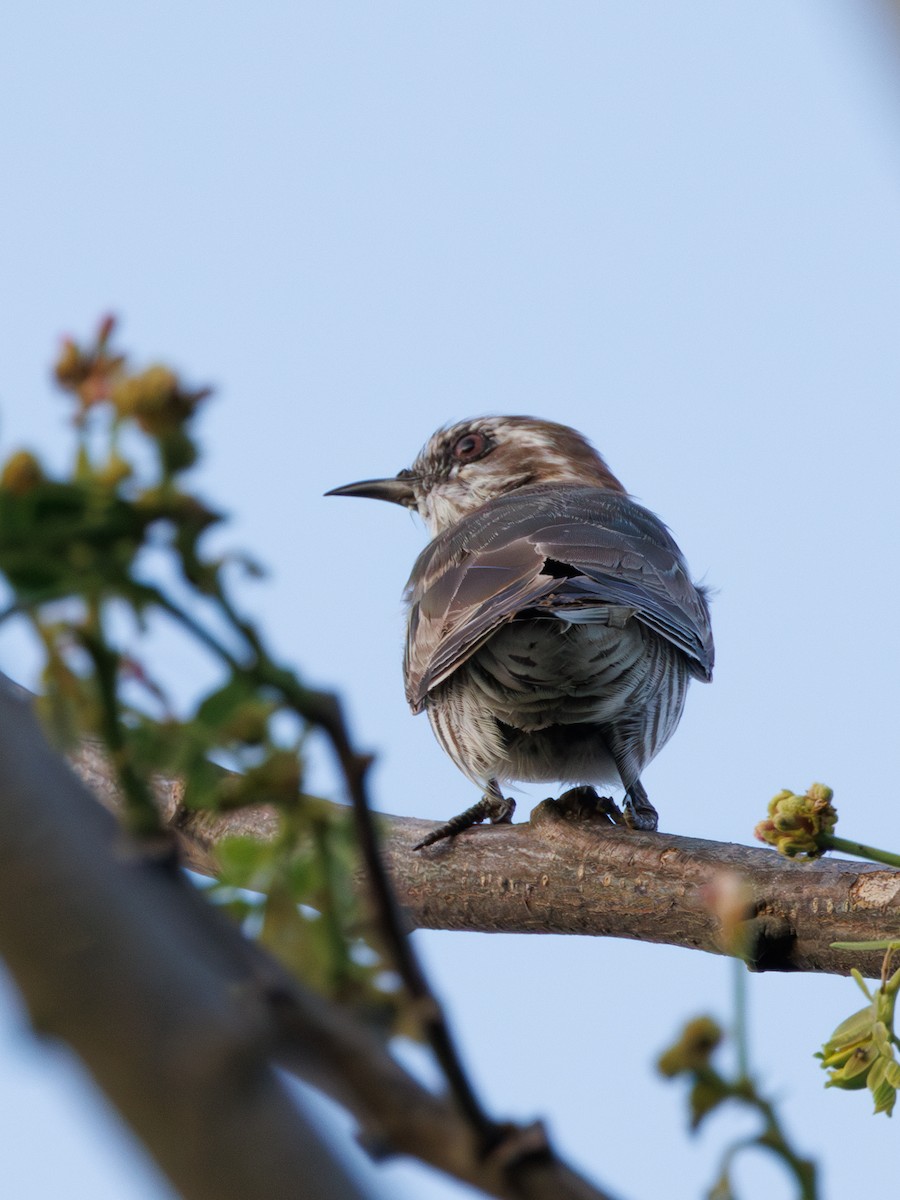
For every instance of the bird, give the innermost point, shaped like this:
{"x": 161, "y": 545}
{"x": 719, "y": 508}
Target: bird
{"x": 552, "y": 624}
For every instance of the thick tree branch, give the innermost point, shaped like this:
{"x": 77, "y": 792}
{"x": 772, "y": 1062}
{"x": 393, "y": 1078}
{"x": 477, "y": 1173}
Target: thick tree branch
{"x": 553, "y": 876}
{"x": 181, "y": 1020}
{"x": 110, "y": 956}
{"x": 557, "y": 876}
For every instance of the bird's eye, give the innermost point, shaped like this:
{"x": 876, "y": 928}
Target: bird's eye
{"x": 469, "y": 447}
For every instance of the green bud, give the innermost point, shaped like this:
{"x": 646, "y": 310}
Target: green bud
{"x": 72, "y": 367}
{"x": 148, "y": 397}
{"x": 21, "y": 474}
{"x": 693, "y": 1050}
{"x": 799, "y": 825}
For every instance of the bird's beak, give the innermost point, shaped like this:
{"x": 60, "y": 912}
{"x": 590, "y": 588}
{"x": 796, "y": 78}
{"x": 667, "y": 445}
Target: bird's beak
{"x": 397, "y": 489}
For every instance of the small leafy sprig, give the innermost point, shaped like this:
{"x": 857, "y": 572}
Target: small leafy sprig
{"x": 861, "y": 1051}
{"x": 74, "y": 549}
{"x": 691, "y": 1057}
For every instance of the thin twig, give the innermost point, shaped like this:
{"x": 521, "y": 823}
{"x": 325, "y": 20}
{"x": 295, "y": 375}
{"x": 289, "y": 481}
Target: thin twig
{"x": 324, "y": 710}
{"x": 741, "y": 1040}
{"x": 861, "y": 850}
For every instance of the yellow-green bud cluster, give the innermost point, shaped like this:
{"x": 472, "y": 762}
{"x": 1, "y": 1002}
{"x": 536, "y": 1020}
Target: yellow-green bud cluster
{"x": 799, "y": 825}
{"x": 693, "y": 1050}
{"x": 152, "y": 398}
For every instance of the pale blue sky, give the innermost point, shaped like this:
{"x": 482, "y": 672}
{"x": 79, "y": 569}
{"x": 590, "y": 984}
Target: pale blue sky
{"x": 673, "y": 226}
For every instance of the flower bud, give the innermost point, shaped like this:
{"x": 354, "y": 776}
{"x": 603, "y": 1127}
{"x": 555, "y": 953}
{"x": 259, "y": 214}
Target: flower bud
{"x": 22, "y": 473}
{"x": 799, "y": 825}
{"x": 693, "y": 1049}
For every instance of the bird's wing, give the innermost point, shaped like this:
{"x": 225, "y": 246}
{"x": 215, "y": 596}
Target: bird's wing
{"x": 571, "y": 552}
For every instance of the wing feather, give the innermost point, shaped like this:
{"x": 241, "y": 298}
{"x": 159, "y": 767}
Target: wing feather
{"x": 570, "y": 552}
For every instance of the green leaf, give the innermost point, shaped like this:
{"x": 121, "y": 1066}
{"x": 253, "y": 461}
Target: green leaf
{"x": 224, "y": 701}
{"x": 856, "y": 1028}
{"x": 882, "y": 944}
{"x": 245, "y": 863}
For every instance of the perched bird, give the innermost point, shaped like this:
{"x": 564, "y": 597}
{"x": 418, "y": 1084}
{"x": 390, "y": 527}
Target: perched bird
{"x": 553, "y": 626}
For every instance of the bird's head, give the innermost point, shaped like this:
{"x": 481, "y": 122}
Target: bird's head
{"x": 464, "y": 465}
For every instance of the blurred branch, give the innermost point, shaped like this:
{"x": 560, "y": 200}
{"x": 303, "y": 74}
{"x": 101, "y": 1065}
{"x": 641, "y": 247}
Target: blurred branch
{"x": 79, "y": 538}
{"x": 111, "y": 954}
{"x": 324, "y": 710}
{"x": 182, "y": 1021}
{"x": 553, "y": 876}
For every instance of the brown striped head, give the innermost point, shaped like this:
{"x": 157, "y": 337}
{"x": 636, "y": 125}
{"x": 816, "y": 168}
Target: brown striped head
{"x": 464, "y": 465}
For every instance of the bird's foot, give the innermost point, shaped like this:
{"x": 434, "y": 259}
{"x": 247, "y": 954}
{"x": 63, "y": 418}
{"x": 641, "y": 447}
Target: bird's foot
{"x": 493, "y": 807}
{"x": 584, "y": 803}
{"x": 639, "y": 812}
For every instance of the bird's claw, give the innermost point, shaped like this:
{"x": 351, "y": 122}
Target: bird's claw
{"x": 492, "y": 806}
{"x": 584, "y": 803}
{"x": 639, "y": 813}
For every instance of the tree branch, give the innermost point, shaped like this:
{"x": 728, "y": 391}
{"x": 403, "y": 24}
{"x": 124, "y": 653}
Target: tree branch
{"x": 181, "y": 1020}
{"x": 554, "y": 876}
{"x": 110, "y": 956}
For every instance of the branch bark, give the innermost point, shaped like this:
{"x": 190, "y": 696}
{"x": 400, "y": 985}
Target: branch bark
{"x": 182, "y": 1021}
{"x": 112, "y": 955}
{"x": 555, "y": 876}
